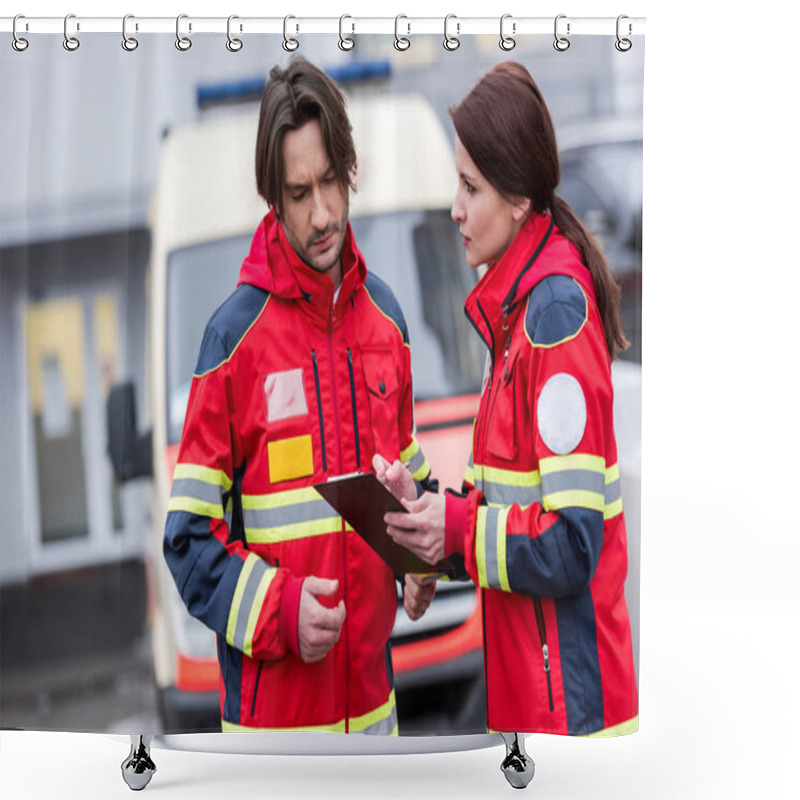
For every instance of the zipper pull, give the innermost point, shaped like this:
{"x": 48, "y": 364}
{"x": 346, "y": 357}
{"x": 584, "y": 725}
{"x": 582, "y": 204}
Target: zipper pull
{"x": 546, "y": 653}
{"x": 508, "y": 347}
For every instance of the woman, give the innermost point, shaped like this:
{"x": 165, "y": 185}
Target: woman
{"x": 540, "y": 525}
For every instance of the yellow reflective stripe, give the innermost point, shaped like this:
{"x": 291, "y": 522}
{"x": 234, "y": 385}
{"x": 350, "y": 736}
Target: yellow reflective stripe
{"x": 200, "y": 507}
{"x": 502, "y": 566}
{"x": 577, "y": 498}
{"x": 572, "y": 461}
{"x": 335, "y": 727}
{"x": 509, "y": 477}
{"x": 256, "y": 502}
{"x": 612, "y": 473}
{"x": 613, "y": 509}
{"x": 480, "y": 545}
{"x": 469, "y": 476}
{"x": 382, "y": 712}
{"x": 300, "y": 530}
{"x": 255, "y": 610}
{"x": 410, "y": 451}
{"x": 624, "y": 728}
{"x": 197, "y": 472}
{"x": 238, "y": 594}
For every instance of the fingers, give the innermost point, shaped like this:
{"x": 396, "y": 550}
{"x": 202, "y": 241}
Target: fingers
{"x": 380, "y": 465}
{"x": 320, "y": 587}
{"x": 418, "y": 594}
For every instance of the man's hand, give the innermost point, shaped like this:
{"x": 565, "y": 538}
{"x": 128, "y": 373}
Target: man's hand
{"x": 418, "y": 594}
{"x": 318, "y": 628}
{"x": 395, "y": 477}
{"x": 421, "y": 530}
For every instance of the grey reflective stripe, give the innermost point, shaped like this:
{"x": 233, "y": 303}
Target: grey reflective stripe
{"x": 570, "y": 480}
{"x": 197, "y": 490}
{"x": 307, "y": 511}
{"x": 613, "y": 492}
{"x": 504, "y": 494}
{"x": 246, "y": 605}
{"x": 416, "y": 462}
{"x": 383, "y": 727}
{"x": 492, "y": 571}
{"x": 228, "y": 517}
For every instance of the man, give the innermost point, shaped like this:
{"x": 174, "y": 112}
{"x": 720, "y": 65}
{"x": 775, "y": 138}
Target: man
{"x": 303, "y": 374}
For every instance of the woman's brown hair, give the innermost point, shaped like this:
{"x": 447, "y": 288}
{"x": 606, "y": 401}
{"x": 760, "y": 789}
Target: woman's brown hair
{"x": 294, "y": 95}
{"x": 505, "y": 127}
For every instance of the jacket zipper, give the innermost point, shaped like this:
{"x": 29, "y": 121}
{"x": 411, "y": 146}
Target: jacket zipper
{"x": 491, "y": 400}
{"x": 332, "y": 321}
{"x": 540, "y": 624}
{"x": 319, "y": 409}
{"x": 353, "y": 401}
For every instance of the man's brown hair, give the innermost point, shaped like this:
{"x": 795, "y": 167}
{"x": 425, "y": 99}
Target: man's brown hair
{"x": 294, "y": 95}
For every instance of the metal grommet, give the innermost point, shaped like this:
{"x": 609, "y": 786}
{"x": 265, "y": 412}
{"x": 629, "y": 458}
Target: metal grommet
{"x": 623, "y": 45}
{"x": 561, "y": 43}
{"x": 128, "y": 42}
{"x": 400, "y": 42}
{"x": 345, "y": 42}
{"x": 233, "y": 44}
{"x": 507, "y": 42}
{"x": 289, "y": 44}
{"x": 70, "y": 42}
{"x": 451, "y": 43}
{"x": 18, "y": 43}
{"x": 183, "y": 43}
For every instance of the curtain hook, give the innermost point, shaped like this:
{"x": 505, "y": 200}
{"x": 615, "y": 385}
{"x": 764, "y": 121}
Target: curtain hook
{"x": 623, "y": 45}
{"x": 18, "y": 43}
{"x": 183, "y": 43}
{"x": 128, "y": 42}
{"x": 289, "y": 44}
{"x": 233, "y": 44}
{"x": 400, "y": 42}
{"x": 507, "y": 42}
{"x": 345, "y": 42}
{"x": 561, "y": 43}
{"x": 451, "y": 43}
{"x": 70, "y": 42}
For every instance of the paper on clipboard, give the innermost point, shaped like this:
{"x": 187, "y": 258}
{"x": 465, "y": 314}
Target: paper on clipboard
{"x": 362, "y": 500}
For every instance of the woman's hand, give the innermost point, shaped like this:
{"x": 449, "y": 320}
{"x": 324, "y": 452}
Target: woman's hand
{"x": 395, "y": 477}
{"x": 418, "y": 593}
{"x": 421, "y": 530}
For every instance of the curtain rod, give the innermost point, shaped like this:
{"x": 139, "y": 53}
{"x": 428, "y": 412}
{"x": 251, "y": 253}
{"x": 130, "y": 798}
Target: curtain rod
{"x": 347, "y": 25}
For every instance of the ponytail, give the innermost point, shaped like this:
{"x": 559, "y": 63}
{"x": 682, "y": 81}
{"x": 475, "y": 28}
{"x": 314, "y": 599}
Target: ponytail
{"x": 606, "y": 289}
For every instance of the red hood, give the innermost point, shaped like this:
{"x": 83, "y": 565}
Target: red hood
{"x": 538, "y": 250}
{"x": 272, "y": 264}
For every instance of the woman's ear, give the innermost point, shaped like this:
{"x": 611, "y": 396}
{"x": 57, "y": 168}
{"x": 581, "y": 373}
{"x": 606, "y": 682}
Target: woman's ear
{"x": 520, "y": 208}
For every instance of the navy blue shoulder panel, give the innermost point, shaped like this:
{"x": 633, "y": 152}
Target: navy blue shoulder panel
{"x": 228, "y": 325}
{"x": 556, "y": 310}
{"x": 384, "y": 298}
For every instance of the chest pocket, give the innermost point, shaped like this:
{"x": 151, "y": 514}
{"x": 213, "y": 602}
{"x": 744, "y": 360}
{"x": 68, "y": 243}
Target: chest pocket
{"x": 501, "y": 438}
{"x": 383, "y": 392}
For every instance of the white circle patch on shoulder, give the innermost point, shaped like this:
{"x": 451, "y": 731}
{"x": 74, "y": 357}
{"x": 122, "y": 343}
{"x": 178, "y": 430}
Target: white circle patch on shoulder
{"x": 561, "y": 413}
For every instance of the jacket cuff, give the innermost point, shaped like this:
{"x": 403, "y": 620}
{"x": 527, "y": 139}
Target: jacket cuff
{"x": 455, "y": 523}
{"x": 289, "y": 614}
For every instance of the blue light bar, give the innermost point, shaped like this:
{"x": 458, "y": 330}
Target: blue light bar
{"x": 246, "y": 89}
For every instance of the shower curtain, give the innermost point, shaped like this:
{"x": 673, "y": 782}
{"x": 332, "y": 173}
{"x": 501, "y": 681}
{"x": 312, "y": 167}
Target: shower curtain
{"x": 128, "y": 205}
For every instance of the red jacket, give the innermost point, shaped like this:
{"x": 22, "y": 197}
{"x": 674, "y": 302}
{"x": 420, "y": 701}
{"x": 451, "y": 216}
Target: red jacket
{"x": 542, "y": 531}
{"x": 291, "y": 387}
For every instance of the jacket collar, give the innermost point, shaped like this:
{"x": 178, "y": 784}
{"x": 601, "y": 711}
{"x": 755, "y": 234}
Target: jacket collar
{"x": 538, "y": 250}
{"x": 273, "y": 265}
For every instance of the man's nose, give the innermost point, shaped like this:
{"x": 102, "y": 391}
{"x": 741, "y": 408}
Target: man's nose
{"x": 319, "y": 212}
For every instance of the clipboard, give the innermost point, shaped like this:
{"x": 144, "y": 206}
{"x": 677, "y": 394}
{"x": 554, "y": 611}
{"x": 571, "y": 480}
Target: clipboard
{"x": 362, "y": 500}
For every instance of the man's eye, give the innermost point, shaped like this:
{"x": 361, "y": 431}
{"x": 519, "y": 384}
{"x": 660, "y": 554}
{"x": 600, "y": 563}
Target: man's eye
{"x": 298, "y": 197}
